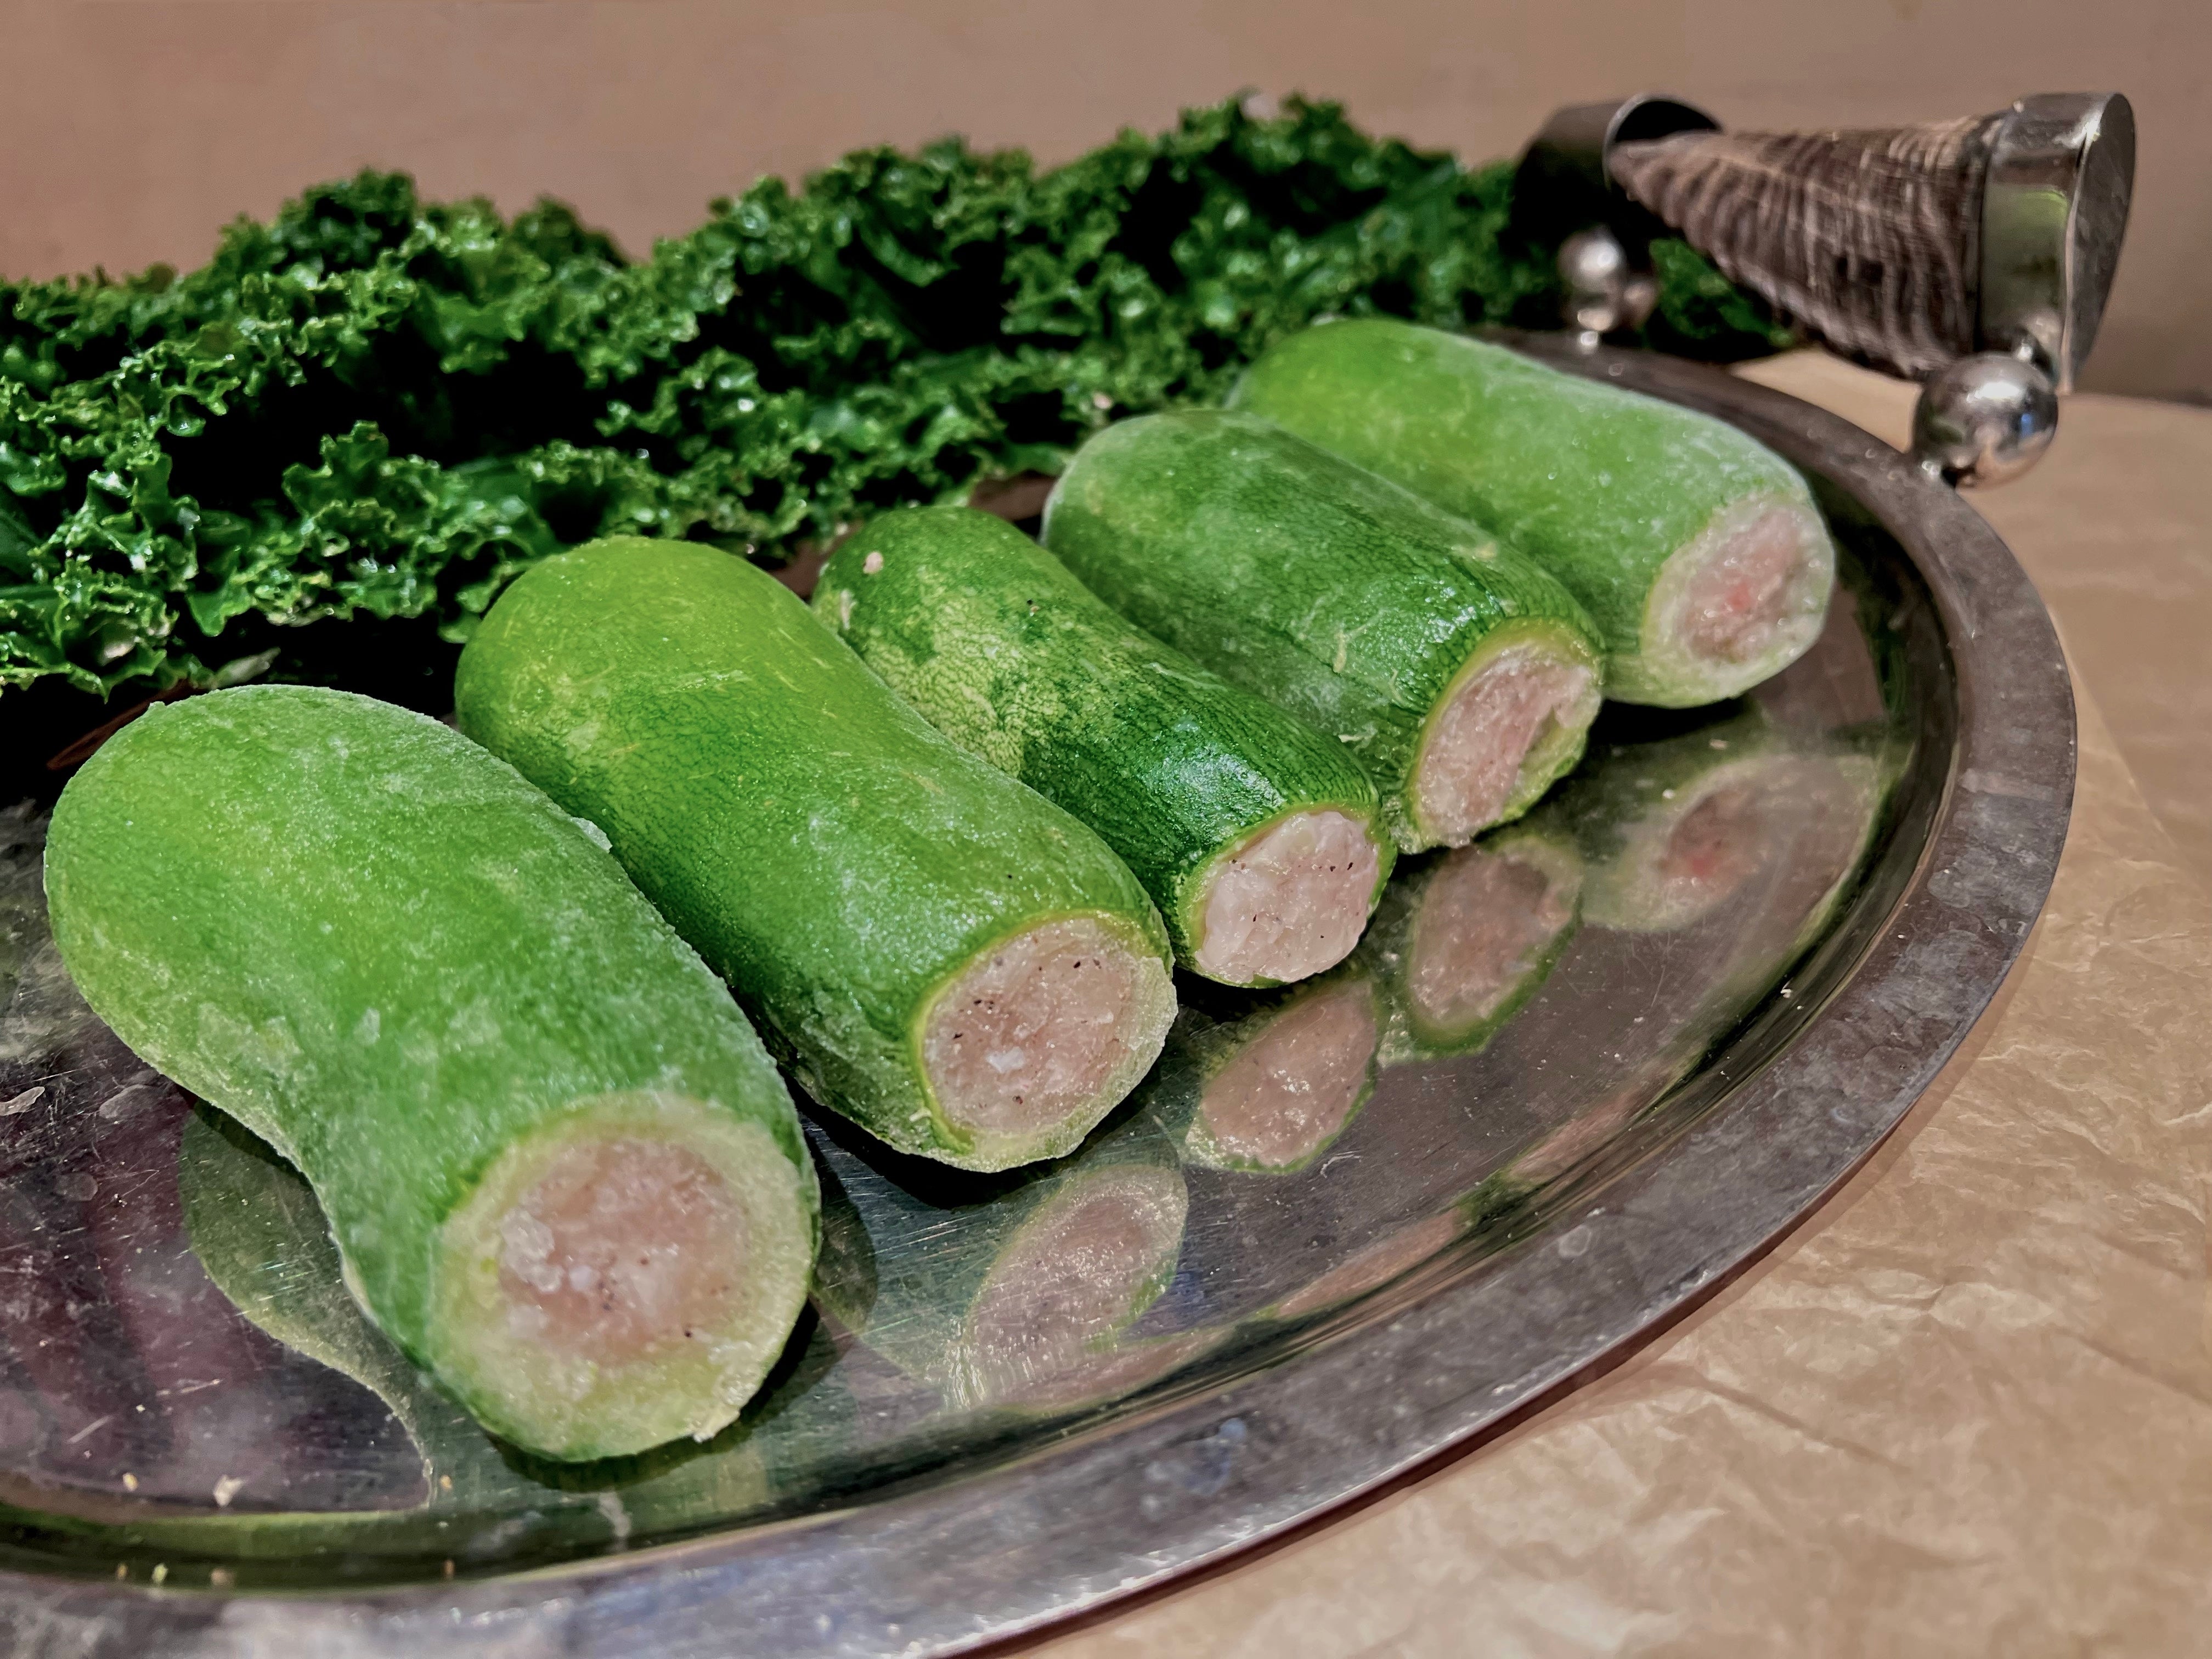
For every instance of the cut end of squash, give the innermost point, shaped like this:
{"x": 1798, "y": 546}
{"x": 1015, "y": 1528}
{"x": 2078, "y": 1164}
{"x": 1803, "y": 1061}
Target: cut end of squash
{"x": 1735, "y": 605}
{"x": 622, "y": 1278}
{"x": 1513, "y": 722}
{"x": 1040, "y": 1036}
{"x": 1290, "y": 901}
{"x": 1289, "y": 1092}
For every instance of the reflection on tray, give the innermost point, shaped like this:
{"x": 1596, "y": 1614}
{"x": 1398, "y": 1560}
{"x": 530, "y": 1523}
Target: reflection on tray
{"x": 184, "y": 1380}
{"x": 1005, "y": 1292}
{"x": 1267, "y": 1088}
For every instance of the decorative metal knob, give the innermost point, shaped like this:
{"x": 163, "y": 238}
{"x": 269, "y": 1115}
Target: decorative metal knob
{"x": 1914, "y": 250}
{"x": 1603, "y": 292}
{"x": 1985, "y": 419}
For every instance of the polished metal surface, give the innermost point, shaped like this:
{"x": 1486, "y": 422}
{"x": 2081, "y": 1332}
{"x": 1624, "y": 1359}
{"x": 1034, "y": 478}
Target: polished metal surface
{"x": 1573, "y": 1078}
{"x": 1603, "y": 293}
{"x": 1563, "y": 185}
{"x": 1919, "y": 251}
{"x": 2055, "y": 191}
{"x": 2061, "y": 176}
{"x": 1577, "y": 141}
{"x": 1983, "y": 420}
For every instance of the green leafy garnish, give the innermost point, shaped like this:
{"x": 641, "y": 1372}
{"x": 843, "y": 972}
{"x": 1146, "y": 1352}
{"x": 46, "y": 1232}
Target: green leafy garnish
{"x": 380, "y": 406}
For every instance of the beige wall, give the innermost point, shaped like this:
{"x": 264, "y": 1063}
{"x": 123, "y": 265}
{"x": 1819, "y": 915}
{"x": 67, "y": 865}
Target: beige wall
{"x": 128, "y": 131}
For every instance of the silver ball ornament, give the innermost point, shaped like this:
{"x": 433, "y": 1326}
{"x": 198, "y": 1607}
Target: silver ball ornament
{"x": 1592, "y": 261}
{"x": 1593, "y": 267}
{"x": 1984, "y": 420}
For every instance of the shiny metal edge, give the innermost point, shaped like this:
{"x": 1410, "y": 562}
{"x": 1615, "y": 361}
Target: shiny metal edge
{"x": 977, "y": 1560}
{"x": 2045, "y": 274}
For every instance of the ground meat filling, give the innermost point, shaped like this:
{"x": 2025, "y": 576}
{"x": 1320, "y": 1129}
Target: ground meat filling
{"x": 1748, "y": 593}
{"x": 1072, "y": 1277}
{"x": 1485, "y": 919}
{"x": 1739, "y": 597}
{"x": 1291, "y": 902}
{"x": 621, "y": 1249}
{"x": 1033, "y": 1029}
{"x": 1478, "y": 744}
{"x": 1291, "y": 1088}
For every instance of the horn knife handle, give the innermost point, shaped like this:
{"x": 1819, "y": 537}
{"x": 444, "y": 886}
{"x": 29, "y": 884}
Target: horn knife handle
{"x": 1942, "y": 251}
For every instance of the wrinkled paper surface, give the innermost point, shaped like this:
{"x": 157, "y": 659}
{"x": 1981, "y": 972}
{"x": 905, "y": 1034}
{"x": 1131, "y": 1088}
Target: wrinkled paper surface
{"x": 1966, "y": 1408}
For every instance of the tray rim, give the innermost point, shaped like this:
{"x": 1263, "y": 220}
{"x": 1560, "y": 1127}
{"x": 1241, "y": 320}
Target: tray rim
{"x": 985, "y": 1558}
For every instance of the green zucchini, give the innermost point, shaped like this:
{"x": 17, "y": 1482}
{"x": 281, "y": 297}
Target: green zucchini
{"x": 939, "y": 953}
{"x": 1697, "y": 550}
{"x": 1463, "y": 942}
{"x": 1462, "y": 676}
{"x": 1256, "y": 834}
{"x": 1269, "y": 1091}
{"x": 262, "y": 1238}
{"x": 437, "y": 997}
{"x": 1008, "y": 1296}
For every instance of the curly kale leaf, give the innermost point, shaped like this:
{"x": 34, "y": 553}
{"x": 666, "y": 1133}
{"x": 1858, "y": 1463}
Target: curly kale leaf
{"x": 378, "y": 406}
{"x": 1701, "y": 313}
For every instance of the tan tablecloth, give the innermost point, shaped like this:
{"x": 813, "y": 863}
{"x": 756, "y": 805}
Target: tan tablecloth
{"x": 1967, "y": 1407}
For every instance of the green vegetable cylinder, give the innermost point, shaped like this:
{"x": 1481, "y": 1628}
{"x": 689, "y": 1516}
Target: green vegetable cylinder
{"x": 942, "y": 955}
{"x": 1697, "y": 550}
{"x": 561, "y": 1169}
{"x": 1461, "y": 675}
{"x": 1256, "y": 834}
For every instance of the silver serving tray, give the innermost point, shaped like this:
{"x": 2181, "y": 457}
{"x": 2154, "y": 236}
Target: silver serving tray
{"x": 1678, "y": 1085}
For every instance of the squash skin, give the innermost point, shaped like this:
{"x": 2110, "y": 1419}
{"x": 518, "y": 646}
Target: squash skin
{"x": 1599, "y": 484}
{"x": 830, "y": 854}
{"x": 1336, "y": 595}
{"x": 394, "y": 960}
{"x": 1006, "y": 653}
